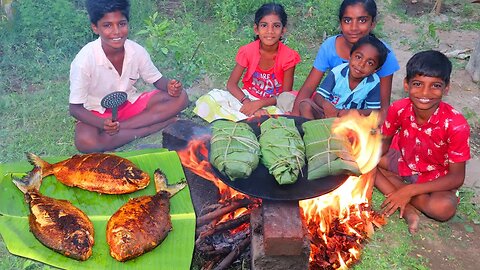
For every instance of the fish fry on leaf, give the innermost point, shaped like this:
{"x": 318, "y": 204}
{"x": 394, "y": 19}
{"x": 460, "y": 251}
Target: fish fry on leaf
{"x": 142, "y": 223}
{"x": 57, "y": 224}
{"x": 103, "y": 173}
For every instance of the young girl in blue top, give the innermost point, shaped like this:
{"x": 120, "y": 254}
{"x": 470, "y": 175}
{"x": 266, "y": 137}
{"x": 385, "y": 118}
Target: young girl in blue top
{"x": 357, "y": 19}
{"x": 264, "y": 67}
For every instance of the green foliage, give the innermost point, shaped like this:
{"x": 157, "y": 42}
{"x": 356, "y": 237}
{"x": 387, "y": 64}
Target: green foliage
{"x": 466, "y": 207}
{"x": 472, "y": 117}
{"x": 36, "y": 47}
{"x": 174, "y": 44}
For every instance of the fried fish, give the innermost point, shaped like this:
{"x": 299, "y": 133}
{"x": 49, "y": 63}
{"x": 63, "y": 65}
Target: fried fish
{"x": 142, "y": 223}
{"x": 103, "y": 173}
{"x": 57, "y": 224}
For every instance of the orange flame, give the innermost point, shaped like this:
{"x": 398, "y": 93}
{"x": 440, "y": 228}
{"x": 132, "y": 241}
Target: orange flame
{"x": 195, "y": 158}
{"x": 346, "y": 206}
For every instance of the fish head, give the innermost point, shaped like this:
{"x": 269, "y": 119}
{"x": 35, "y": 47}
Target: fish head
{"x": 79, "y": 244}
{"x": 124, "y": 245}
{"x": 137, "y": 177}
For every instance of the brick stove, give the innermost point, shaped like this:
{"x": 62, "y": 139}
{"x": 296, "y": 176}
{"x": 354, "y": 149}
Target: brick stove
{"x": 279, "y": 236}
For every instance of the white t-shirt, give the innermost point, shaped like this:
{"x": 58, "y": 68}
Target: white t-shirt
{"x": 93, "y": 76}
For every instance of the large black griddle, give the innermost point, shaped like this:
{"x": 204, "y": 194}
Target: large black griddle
{"x": 262, "y": 184}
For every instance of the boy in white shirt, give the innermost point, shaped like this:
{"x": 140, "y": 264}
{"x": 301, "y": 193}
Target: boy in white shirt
{"x": 114, "y": 63}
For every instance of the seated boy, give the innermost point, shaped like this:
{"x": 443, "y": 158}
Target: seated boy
{"x": 114, "y": 63}
{"x": 424, "y": 165}
{"x": 350, "y": 86}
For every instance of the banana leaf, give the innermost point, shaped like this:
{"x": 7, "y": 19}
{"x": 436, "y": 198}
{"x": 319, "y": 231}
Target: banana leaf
{"x": 282, "y": 148}
{"x": 327, "y": 153}
{"x": 174, "y": 253}
{"x": 234, "y": 149}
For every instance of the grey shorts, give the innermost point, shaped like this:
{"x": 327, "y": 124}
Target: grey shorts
{"x": 392, "y": 159}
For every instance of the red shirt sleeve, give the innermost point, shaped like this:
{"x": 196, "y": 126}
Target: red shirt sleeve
{"x": 458, "y": 140}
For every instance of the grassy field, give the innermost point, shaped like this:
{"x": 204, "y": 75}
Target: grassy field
{"x": 190, "y": 40}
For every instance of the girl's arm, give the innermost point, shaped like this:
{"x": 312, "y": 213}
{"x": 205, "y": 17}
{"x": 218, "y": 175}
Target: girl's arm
{"x": 233, "y": 80}
{"x": 385, "y": 94}
{"x": 288, "y": 79}
{"x": 307, "y": 89}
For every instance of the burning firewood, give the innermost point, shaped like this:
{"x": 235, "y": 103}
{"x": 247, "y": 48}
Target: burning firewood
{"x": 234, "y": 254}
{"x": 223, "y": 210}
{"x": 227, "y": 225}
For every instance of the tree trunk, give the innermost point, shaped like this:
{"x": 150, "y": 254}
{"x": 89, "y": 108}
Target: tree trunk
{"x": 473, "y": 66}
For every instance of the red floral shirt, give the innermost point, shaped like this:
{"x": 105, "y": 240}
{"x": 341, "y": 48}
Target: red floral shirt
{"x": 427, "y": 149}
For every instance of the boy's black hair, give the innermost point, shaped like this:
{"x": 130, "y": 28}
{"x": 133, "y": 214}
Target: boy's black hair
{"x": 271, "y": 8}
{"x": 375, "y": 42}
{"x": 369, "y": 5}
{"x": 98, "y": 8}
{"x": 431, "y": 64}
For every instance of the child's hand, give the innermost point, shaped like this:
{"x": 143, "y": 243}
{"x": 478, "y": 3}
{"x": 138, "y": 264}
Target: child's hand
{"x": 397, "y": 199}
{"x": 174, "y": 88}
{"x": 250, "y": 107}
{"x": 110, "y": 127}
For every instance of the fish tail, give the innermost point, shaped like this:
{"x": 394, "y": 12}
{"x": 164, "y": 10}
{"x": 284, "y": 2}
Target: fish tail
{"x": 161, "y": 183}
{"x": 32, "y": 180}
{"x": 38, "y": 162}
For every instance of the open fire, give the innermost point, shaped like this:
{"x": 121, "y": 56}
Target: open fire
{"x": 337, "y": 222}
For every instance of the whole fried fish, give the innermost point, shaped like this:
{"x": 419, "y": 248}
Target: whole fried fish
{"x": 142, "y": 223}
{"x": 56, "y": 223}
{"x": 103, "y": 173}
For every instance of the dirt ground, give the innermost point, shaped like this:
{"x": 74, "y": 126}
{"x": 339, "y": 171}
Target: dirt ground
{"x": 454, "y": 244}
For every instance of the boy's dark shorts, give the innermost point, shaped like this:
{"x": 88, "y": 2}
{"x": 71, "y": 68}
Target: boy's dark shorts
{"x": 392, "y": 160}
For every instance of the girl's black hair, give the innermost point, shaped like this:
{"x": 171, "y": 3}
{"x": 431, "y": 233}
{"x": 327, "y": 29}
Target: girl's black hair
{"x": 271, "y": 8}
{"x": 431, "y": 64}
{"x": 375, "y": 42}
{"x": 98, "y": 8}
{"x": 369, "y": 5}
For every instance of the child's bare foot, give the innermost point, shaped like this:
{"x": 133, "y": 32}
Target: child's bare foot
{"x": 411, "y": 215}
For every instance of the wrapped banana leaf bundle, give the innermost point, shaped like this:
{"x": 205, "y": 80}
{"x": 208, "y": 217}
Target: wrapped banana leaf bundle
{"x": 283, "y": 151}
{"x": 234, "y": 149}
{"x": 327, "y": 153}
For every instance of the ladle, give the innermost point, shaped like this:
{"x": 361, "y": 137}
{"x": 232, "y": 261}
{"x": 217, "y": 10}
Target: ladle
{"x": 113, "y": 101}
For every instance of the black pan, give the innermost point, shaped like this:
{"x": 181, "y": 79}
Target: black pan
{"x": 262, "y": 184}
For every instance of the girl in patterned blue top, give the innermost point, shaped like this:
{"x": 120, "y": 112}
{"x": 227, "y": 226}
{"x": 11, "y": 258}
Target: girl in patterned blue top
{"x": 357, "y": 19}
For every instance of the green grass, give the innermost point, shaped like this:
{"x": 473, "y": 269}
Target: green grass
{"x": 38, "y": 46}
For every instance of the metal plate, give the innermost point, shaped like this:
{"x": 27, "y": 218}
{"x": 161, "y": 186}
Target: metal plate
{"x": 262, "y": 184}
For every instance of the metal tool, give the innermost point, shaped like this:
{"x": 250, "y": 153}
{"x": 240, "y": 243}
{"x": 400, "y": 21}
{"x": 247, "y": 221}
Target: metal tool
{"x": 113, "y": 101}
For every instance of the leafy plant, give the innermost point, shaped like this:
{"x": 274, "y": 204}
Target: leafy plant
{"x": 34, "y": 49}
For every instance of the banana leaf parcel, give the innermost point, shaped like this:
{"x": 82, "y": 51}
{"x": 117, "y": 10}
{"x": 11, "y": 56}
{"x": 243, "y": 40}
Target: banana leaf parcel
{"x": 327, "y": 153}
{"x": 283, "y": 151}
{"x": 234, "y": 149}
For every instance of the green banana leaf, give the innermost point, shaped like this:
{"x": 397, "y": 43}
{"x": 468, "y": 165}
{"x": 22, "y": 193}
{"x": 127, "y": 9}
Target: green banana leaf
{"x": 175, "y": 252}
{"x": 282, "y": 148}
{"x": 327, "y": 153}
{"x": 234, "y": 149}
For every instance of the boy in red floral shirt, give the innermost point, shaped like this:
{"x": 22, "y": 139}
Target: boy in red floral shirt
{"x": 425, "y": 145}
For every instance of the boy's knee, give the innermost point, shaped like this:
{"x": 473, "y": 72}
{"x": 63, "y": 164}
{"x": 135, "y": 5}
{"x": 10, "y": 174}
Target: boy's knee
{"x": 442, "y": 210}
{"x": 86, "y": 145}
{"x": 304, "y": 107}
